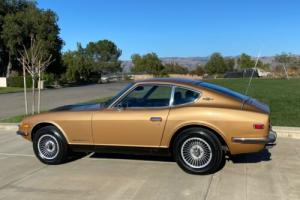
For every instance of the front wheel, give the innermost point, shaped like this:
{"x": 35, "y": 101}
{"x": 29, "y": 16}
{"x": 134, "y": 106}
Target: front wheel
{"x": 198, "y": 151}
{"x": 50, "y": 146}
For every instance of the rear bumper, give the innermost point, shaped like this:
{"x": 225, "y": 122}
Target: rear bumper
{"x": 268, "y": 141}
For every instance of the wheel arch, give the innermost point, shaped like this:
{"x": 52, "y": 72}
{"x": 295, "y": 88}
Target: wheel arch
{"x": 216, "y": 133}
{"x": 40, "y": 125}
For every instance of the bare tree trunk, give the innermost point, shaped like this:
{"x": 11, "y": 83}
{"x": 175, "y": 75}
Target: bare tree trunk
{"x": 35, "y": 63}
{"x": 100, "y": 78}
{"x": 39, "y": 92}
{"x": 33, "y": 94}
{"x": 9, "y": 66}
{"x": 286, "y": 74}
{"x": 25, "y": 90}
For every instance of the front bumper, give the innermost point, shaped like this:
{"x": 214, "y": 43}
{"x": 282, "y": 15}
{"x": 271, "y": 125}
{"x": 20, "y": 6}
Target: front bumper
{"x": 22, "y": 133}
{"x": 268, "y": 141}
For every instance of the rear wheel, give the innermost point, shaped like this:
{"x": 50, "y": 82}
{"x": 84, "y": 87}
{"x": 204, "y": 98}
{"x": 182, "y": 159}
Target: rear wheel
{"x": 50, "y": 146}
{"x": 198, "y": 151}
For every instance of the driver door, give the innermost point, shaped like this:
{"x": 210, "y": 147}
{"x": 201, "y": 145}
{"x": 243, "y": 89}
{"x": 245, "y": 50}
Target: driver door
{"x": 136, "y": 120}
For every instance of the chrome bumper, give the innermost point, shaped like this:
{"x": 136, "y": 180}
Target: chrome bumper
{"x": 21, "y": 133}
{"x": 268, "y": 141}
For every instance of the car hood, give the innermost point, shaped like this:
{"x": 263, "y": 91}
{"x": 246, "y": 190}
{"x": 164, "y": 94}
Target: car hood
{"x": 80, "y": 107}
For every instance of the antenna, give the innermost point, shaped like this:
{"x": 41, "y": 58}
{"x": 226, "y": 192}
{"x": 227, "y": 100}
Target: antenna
{"x": 256, "y": 62}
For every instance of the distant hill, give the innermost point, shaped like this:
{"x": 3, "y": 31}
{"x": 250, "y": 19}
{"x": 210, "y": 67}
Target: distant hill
{"x": 192, "y": 62}
{"x": 189, "y": 62}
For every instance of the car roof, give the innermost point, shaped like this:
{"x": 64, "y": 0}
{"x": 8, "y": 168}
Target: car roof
{"x": 172, "y": 80}
{"x": 197, "y": 84}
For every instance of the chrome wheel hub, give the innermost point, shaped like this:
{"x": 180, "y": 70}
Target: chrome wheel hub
{"x": 196, "y": 152}
{"x": 48, "y": 147}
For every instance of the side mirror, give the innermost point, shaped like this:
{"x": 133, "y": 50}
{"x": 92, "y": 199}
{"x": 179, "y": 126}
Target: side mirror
{"x": 122, "y": 106}
{"x": 139, "y": 88}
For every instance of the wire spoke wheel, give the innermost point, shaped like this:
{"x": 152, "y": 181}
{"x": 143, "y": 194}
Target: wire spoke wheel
{"x": 48, "y": 147}
{"x": 196, "y": 152}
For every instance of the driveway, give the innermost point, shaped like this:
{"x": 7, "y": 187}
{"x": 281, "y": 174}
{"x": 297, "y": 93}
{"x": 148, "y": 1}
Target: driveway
{"x": 12, "y": 104}
{"x": 266, "y": 175}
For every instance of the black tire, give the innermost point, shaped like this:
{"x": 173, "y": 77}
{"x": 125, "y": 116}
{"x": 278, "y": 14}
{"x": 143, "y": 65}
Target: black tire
{"x": 50, "y": 146}
{"x": 198, "y": 151}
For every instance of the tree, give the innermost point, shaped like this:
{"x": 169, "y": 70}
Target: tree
{"x": 97, "y": 58}
{"x": 8, "y": 7}
{"x": 34, "y": 60}
{"x": 245, "y": 61}
{"x": 230, "y": 63}
{"x": 148, "y": 63}
{"x": 286, "y": 60}
{"x": 78, "y": 65}
{"x": 19, "y": 27}
{"x": 264, "y": 66}
{"x": 199, "y": 70}
{"x": 216, "y": 64}
{"x": 175, "y": 68}
{"x": 104, "y": 56}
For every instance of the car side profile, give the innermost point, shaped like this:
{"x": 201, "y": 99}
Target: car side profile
{"x": 194, "y": 121}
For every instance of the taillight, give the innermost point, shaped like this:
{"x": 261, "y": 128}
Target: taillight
{"x": 258, "y": 126}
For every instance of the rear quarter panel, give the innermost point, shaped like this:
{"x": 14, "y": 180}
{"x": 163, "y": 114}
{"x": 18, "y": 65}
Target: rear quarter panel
{"x": 227, "y": 122}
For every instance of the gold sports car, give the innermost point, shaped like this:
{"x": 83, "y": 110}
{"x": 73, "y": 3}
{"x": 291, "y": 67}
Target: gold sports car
{"x": 194, "y": 121}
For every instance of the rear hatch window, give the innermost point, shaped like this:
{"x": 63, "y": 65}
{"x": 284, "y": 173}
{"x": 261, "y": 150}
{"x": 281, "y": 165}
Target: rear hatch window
{"x": 241, "y": 97}
{"x": 224, "y": 90}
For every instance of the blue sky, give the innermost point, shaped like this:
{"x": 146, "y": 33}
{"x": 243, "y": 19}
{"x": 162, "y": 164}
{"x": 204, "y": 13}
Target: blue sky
{"x": 181, "y": 28}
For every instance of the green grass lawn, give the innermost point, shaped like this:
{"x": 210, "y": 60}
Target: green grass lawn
{"x": 283, "y": 97}
{"x": 4, "y": 90}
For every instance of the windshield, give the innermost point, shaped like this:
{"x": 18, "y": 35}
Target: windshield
{"x": 108, "y": 102}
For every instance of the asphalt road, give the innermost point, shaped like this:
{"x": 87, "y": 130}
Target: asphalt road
{"x": 12, "y": 104}
{"x": 264, "y": 175}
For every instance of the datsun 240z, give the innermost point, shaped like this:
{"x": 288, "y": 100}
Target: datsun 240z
{"x": 194, "y": 121}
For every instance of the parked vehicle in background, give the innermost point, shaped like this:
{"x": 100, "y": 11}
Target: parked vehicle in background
{"x": 194, "y": 121}
{"x": 245, "y": 73}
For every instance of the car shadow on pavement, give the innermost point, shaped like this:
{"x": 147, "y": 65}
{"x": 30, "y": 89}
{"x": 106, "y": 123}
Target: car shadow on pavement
{"x": 75, "y": 156}
{"x": 132, "y": 157}
{"x": 263, "y": 155}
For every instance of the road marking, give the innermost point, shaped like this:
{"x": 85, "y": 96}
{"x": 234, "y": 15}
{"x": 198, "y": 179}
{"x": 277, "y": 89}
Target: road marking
{"x": 208, "y": 187}
{"x": 18, "y": 180}
{"x": 15, "y": 154}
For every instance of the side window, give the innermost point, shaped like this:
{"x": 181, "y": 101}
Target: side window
{"x": 183, "y": 96}
{"x": 148, "y": 96}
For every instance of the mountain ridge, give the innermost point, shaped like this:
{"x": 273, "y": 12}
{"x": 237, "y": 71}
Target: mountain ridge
{"x": 192, "y": 62}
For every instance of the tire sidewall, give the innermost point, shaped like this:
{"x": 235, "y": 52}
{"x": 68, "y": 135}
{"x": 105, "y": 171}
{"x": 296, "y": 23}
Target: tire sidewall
{"x": 206, "y": 136}
{"x": 62, "y": 145}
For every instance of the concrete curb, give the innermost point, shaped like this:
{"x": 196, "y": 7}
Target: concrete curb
{"x": 282, "y": 131}
{"x": 287, "y": 132}
{"x": 8, "y": 126}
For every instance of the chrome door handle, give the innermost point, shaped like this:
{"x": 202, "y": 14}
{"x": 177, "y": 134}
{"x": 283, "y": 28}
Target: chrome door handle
{"x": 156, "y": 119}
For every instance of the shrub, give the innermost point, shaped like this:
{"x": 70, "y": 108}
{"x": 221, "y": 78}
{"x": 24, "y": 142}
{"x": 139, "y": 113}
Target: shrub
{"x": 49, "y": 79}
{"x": 17, "y": 81}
